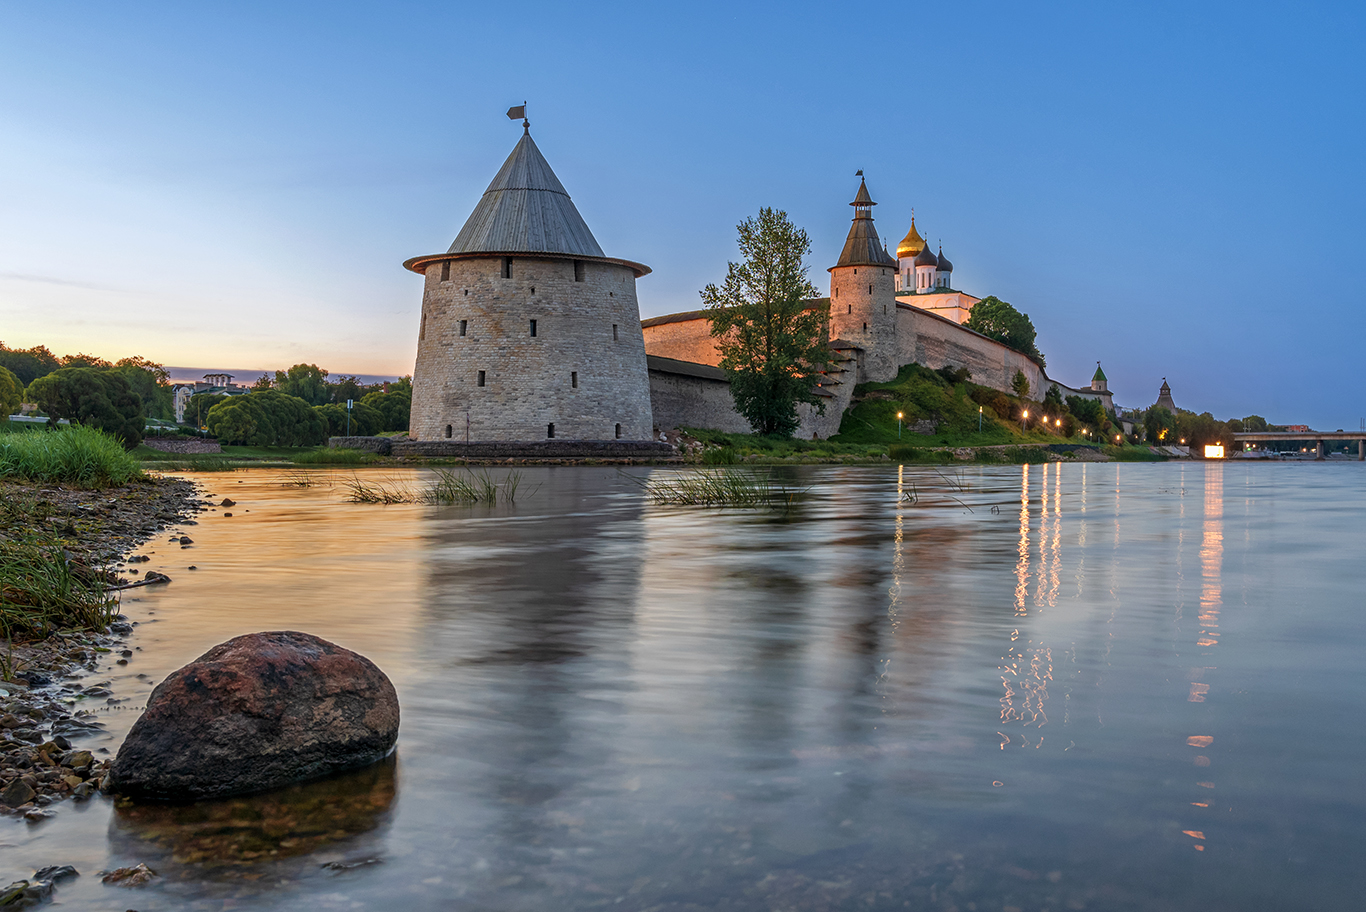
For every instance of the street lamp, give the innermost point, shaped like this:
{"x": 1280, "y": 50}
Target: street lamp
{"x": 898, "y": 425}
{"x": 979, "y": 419}
{"x": 1023, "y": 419}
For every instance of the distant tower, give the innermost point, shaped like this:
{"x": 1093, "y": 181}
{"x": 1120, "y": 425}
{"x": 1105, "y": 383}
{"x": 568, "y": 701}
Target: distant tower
{"x": 528, "y": 330}
{"x": 943, "y": 273}
{"x": 1099, "y": 384}
{"x": 926, "y": 265}
{"x": 1164, "y": 397}
{"x": 906, "y": 252}
{"x": 863, "y": 294}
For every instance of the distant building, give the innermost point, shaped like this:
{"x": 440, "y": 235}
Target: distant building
{"x": 924, "y": 278}
{"x": 1099, "y": 384}
{"x": 219, "y": 384}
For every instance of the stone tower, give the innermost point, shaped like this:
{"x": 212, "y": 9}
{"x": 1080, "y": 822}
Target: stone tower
{"x": 863, "y": 295}
{"x": 528, "y": 332}
{"x": 1164, "y": 397}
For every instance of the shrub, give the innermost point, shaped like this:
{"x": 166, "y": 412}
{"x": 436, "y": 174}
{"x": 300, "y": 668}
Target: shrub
{"x": 11, "y": 393}
{"x": 365, "y": 421}
{"x": 395, "y": 406}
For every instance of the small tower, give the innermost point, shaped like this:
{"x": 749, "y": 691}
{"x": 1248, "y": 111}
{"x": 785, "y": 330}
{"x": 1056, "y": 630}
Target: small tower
{"x": 906, "y": 252}
{"x": 1098, "y": 381}
{"x": 529, "y": 332}
{"x": 1164, "y": 397}
{"x": 943, "y": 274}
{"x": 863, "y": 294}
{"x": 926, "y": 265}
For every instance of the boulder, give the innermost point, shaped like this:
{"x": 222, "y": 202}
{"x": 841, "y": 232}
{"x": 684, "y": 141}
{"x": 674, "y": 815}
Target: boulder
{"x": 255, "y": 713}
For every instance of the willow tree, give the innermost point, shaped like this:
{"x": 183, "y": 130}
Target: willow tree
{"x": 770, "y": 337}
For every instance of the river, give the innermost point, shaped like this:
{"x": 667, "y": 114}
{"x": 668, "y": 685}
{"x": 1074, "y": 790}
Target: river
{"x": 989, "y": 689}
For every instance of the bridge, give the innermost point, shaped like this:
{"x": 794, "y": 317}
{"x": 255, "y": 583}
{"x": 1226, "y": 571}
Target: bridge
{"x": 1318, "y": 437}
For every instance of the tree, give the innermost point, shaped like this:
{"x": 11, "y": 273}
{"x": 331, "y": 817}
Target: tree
{"x": 1088, "y": 411}
{"x": 771, "y": 343}
{"x": 365, "y": 420}
{"x": 1159, "y": 425}
{"x": 395, "y": 406}
{"x": 11, "y": 393}
{"x": 346, "y": 388}
{"x": 268, "y": 418}
{"x": 997, "y": 320}
{"x": 306, "y": 381}
{"x": 1020, "y": 384}
{"x": 197, "y": 409}
{"x": 28, "y": 364}
{"x": 95, "y": 398}
{"x": 1053, "y": 399}
{"x": 83, "y": 360}
{"x": 150, "y": 381}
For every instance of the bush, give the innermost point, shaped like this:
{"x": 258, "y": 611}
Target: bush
{"x": 95, "y": 398}
{"x": 395, "y": 405}
{"x": 1002, "y": 405}
{"x": 266, "y": 418}
{"x": 1088, "y": 411}
{"x": 78, "y": 455}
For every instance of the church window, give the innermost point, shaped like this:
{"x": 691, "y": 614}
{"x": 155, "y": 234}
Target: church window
{"x": 574, "y": 379}
{"x": 550, "y": 431}
{"x": 614, "y": 332}
{"x": 507, "y": 267}
{"x": 445, "y": 270}
{"x": 479, "y": 381}
{"x": 578, "y": 270}
{"x": 448, "y": 432}
{"x": 618, "y": 432}
{"x": 533, "y": 329}
{"x": 464, "y": 324}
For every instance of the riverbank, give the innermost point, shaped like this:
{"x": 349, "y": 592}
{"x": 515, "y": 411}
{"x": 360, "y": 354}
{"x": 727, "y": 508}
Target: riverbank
{"x": 65, "y": 550}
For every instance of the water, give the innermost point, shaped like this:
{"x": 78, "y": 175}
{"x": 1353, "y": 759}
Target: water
{"x": 1106, "y": 686}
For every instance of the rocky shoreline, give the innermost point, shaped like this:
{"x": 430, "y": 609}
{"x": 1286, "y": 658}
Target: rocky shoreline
{"x": 43, "y": 688}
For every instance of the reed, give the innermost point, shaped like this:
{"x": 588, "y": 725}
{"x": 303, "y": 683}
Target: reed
{"x": 448, "y": 488}
{"x": 722, "y": 488}
{"x": 335, "y": 456}
{"x": 75, "y": 455}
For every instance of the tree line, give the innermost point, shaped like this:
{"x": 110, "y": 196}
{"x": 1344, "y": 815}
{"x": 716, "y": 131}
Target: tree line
{"x": 299, "y": 406}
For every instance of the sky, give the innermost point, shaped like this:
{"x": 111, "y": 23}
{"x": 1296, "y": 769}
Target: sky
{"x": 1173, "y": 189}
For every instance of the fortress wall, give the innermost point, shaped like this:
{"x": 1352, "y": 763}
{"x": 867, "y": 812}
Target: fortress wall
{"x": 679, "y": 400}
{"x": 936, "y": 342}
{"x": 528, "y": 380}
{"x": 687, "y": 339}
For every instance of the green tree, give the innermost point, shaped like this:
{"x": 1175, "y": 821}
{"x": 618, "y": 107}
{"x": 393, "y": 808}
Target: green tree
{"x": 1088, "y": 411}
{"x": 997, "y": 320}
{"x": 395, "y": 406}
{"x": 267, "y": 418}
{"x": 1020, "y": 384}
{"x": 771, "y": 343}
{"x": 1254, "y": 424}
{"x": 1053, "y": 399}
{"x": 11, "y": 393}
{"x": 347, "y": 388}
{"x": 28, "y": 364}
{"x": 151, "y": 382}
{"x": 365, "y": 420}
{"x": 95, "y": 398}
{"x": 84, "y": 360}
{"x": 197, "y": 409}
{"x": 305, "y": 381}
{"x": 1159, "y": 425}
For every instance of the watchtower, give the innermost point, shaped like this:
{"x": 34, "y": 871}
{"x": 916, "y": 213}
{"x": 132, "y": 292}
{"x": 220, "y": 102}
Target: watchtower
{"x": 529, "y": 332}
{"x": 863, "y": 294}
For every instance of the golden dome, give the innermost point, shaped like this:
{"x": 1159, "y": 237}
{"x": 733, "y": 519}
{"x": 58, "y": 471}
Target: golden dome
{"x": 911, "y": 244}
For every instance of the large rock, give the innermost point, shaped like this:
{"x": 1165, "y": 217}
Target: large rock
{"x": 255, "y": 713}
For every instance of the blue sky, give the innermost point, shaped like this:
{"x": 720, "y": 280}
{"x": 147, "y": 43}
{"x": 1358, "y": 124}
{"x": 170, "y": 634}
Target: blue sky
{"x": 1174, "y": 189}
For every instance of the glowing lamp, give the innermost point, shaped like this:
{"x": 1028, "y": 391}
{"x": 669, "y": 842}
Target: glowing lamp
{"x": 1214, "y": 451}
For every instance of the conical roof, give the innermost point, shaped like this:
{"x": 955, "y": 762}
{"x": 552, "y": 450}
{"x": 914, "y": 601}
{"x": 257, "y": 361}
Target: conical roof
{"x": 911, "y": 244}
{"x": 526, "y": 210}
{"x": 1100, "y": 375}
{"x": 944, "y": 264}
{"x": 926, "y": 257}
{"x": 862, "y": 247}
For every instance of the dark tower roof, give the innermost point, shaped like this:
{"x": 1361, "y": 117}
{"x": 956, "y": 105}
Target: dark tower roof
{"x": 926, "y": 257}
{"x": 526, "y": 210}
{"x": 862, "y": 247}
{"x": 944, "y": 264}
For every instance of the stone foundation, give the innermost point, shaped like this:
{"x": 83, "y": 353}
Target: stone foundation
{"x": 183, "y": 444}
{"x": 380, "y": 445}
{"x": 534, "y": 449}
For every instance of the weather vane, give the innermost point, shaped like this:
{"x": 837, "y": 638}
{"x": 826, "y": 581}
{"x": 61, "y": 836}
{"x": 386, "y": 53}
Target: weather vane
{"x": 520, "y": 111}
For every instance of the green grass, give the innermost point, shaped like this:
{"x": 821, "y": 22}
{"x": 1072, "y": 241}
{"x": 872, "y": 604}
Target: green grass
{"x": 463, "y": 487}
{"x": 42, "y": 587}
{"x": 73, "y": 455}
{"x": 1133, "y": 454}
{"x": 339, "y": 456}
{"x": 722, "y": 448}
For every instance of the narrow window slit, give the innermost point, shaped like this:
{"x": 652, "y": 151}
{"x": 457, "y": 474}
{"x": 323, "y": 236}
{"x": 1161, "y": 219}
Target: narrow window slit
{"x": 480, "y": 380}
{"x": 574, "y": 379}
{"x": 464, "y": 324}
{"x": 533, "y": 329}
{"x": 550, "y": 431}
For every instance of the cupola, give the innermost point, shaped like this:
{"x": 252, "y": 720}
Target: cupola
{"x": 911, "y": 244}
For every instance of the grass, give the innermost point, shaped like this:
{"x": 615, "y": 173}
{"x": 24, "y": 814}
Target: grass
{"x": 722, "y": 448}
{"x": 465, "y": 487}
{"x": 42, "y": 587}
{"x": 74, "y": 455}
{"x": 1133, "y": 454}
{"x": 722, "y": 488}
{"x": 337, "y": 456}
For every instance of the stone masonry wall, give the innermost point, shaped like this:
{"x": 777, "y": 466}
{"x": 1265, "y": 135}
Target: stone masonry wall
{"x": 183, "y": 444}
{"x": 677, "y": 400}
{"x": 684, "y": 340}
{"x": 863, "y": 311}
{"x": 936, "y": 342}
{"x": 588, "y": 328}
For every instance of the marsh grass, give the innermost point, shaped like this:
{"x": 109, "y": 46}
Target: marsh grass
{"x": 336, "y": 456}
{"x": 722, "y": 488}
{"x": 75, "y": 455}
{"x": 449, "y": 487}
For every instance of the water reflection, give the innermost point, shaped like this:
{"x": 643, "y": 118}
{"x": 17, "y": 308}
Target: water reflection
{"x": 245, "y": 831}
{"x": 1211, "y": 601}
